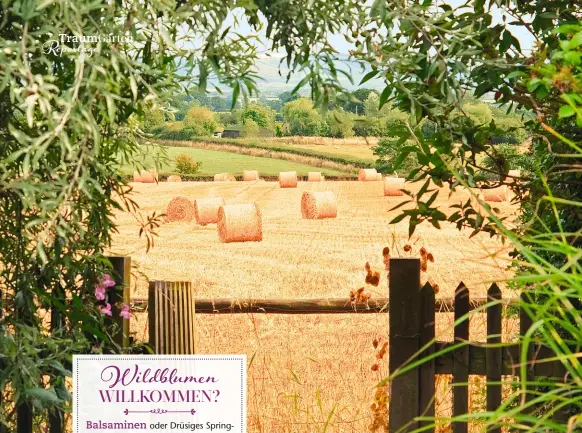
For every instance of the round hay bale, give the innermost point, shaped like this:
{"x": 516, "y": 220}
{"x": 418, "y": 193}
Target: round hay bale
{"x": 249, "y": 175}
{"x": 149, "y": 176}
{"x": 318, "y": 205}
{"x": 514, "y": 173}
{"x": 206, "y": 210}
{"x": 497, "y": 195}
{"x": 136, "y": 177}
{"x": 367, "y": 174}
{"x": 393, "y": 186}
{"x": 180, "y": 209}
{"x": 224, "y": 177}
{"x": 288, "y": 179}
{"x": 174, "y": 178}
{"x": 240, "y": 223}
{"x": 314, "y": 176}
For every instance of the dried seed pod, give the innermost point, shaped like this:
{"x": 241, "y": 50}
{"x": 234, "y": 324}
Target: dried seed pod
{"x": 375, "y": 367}
{"x": 407, "y": 248}
{"x": 386, "y": 251}
{"x": 423, "y": 265}
{"x": 430, "y": 257}
{"x": 423, "y": 252}
{"x": 375, "y": 343}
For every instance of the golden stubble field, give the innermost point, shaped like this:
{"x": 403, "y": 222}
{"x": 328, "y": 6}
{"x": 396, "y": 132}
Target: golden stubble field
{"x": 309, "y": 373}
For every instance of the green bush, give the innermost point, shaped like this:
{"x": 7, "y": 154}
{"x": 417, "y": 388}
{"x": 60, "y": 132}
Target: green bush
{"x": 388, "y": 149}
{"x": 509, "y": 130}
{"x": 186, "y": 165}
{"x": 480, "y": 114}
{"x": 507, "y": 157}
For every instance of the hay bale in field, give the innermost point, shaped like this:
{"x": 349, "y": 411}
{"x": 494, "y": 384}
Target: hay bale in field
{"x": 393, "y": 186}
{"x": 249, "y": 175}
{"x": 318, "y": 205}
{"x": 180, "y": 209}
{"x": 514, "y": 173}
{"x": 206, "y": 210}
{"x": 314, "y": 176}
{"x": 149, "y": 176}
{"x": 240, "y": 223}
{"x": 379, "y": 176}
{"x": 224, "y": 177}
{"x": 136, "y": 177}
{"x": 367, "y": 174}
{"x": 497, "y": 195}
{"x": 288, "y": 179}
{"x": 174, "y": 178}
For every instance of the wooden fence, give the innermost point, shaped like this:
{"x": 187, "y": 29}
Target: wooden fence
{"x": 412, "y": 313}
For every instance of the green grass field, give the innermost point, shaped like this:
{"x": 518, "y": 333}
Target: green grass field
{"x": 218, "y": 162}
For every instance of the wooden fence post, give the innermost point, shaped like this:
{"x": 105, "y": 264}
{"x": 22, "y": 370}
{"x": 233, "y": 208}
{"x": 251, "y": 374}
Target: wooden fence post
{"x": 493, "y": 355}
{"x": 404, "y": 314}
{"x": 427, "y": 369}
{"x": 461, "y": 359}
{"x": 120, "y": 294}
{"x": 171, "y": 316}
{"x": 56, "y": 416}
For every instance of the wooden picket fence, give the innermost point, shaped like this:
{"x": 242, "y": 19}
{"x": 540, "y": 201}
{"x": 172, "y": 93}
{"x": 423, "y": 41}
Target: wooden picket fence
{"x": 412, "y": 313}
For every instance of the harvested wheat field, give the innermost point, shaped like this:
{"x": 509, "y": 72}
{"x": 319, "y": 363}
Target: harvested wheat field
{"x": 305, "y": 368}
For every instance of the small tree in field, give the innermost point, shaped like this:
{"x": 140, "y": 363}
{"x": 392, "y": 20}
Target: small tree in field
{"x": 202, "y": 120}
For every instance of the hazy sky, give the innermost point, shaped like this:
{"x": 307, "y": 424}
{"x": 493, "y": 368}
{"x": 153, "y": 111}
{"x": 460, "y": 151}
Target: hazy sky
{"x": 268, "y": 67}
{"x": 339, "y": 43}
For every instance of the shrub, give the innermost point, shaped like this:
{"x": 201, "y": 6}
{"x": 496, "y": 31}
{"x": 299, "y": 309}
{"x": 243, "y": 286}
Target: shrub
{"x": 509, "y": 130}
{"x": 388, "y": 149}
{"x": 479, "y": 113}
{"x": 201, "y": 120}
{"x": 507, "y": 157}
{"x": 186, "y": 165}
{"x": 250, "y": 128}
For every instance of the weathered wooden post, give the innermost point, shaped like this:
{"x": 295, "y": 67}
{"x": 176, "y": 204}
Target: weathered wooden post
{"x": 461, "y": 359}
{"x": 120, "y": 295}
{"x": 404, "y": 344}
{"x": 171, "y": 316}
{"x": 493, "y": 355}
{"x": 427, "y": 369}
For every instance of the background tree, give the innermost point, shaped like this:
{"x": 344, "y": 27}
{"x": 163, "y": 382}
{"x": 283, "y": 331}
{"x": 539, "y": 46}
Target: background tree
{"x": 201, "y": 120}
{"x": 262, "y": 115}
{"x": 301, "y": 117}
{"x": 355, "y": 102}
{"x": 153, "y": 116}
{"x": 340, "y": 123}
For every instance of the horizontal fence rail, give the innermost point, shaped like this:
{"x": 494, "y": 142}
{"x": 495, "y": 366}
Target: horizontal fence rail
{"x": 311, "y": 306}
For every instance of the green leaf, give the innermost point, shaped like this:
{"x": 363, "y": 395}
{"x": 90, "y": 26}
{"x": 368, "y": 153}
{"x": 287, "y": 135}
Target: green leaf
{"x": 384, "y": 96}
{"x": 398, "y": 218}
{"x": 369, "y": 76}
{"x": 44, "y": 396}
{"x": 566, "y": 111}
{"x": 505, "y": 42}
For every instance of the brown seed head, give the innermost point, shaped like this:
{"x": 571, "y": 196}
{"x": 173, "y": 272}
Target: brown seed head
{"x": 407, "y": 248}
